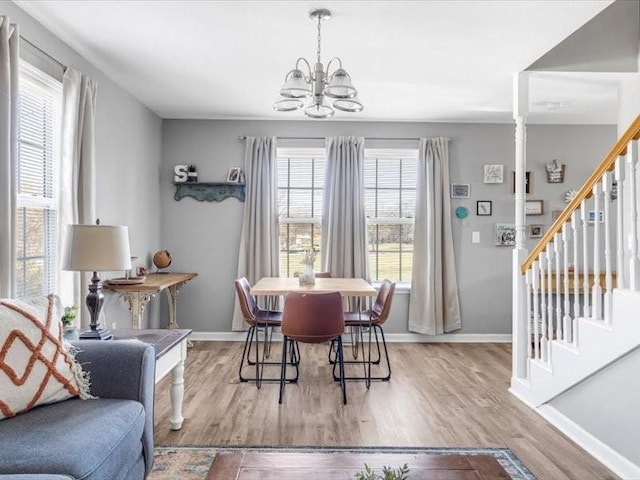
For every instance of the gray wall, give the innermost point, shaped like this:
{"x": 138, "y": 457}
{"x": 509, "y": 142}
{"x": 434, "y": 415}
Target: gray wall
{"x": 128, "y": 140}
{"x": 204, "y": 237}
{"x": 606, "y": 405}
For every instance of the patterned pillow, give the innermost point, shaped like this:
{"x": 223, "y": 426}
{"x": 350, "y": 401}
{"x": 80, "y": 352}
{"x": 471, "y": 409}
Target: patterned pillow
{"x": 35, "y": 366}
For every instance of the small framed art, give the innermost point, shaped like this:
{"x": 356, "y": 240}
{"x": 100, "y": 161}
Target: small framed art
{"x": 483, "y": 208}
{"x": 234, "y": 175}
{"x": 494, "y": 173}
{"x": 534, "y": 207}
{"x": 536, "y": 231}
{"x": 460, "y": 190}
{"x": 505, "y": 234}
{"x": 591, "y": 217}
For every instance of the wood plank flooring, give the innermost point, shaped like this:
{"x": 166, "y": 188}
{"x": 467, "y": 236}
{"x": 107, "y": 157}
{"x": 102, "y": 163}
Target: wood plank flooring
{"x": 440, "y": 395}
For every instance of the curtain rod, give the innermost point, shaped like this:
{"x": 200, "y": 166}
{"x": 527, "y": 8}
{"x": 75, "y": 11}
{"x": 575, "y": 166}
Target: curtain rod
{"x": 244, "y": 137}
{"x": 58, "y": 62}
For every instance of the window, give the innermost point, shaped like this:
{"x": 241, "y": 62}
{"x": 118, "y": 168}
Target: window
{"x": 390, "y": 199}
{"x": 390, "y": 202}
{"x": 300, "y": 184}
{"x": 37, "y": 182}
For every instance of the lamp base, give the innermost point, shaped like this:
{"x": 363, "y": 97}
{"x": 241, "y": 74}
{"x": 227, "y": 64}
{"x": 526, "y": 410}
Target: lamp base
{"x": 99, "y": 334}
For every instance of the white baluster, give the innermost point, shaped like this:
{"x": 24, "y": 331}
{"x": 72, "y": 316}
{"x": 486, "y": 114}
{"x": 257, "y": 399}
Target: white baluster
{"x": 586, "y": 310}
{"x": 536, "y": 314}
{"x": 619, "y": 176}
{"x": 576, "y": 278}
{"x": 596, "y": 298}
{"x": 632, "y": 233}
{"x": 608, "y": 275}
{"x": 556, "y": 252}
{"x": 566, "y": 318}
{"x": 543, "y": 307}
{"x": 549, "y": 299}
{"x": 527, "y": 277}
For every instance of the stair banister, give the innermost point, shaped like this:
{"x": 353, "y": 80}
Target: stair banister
{"x": 607, "y": 164}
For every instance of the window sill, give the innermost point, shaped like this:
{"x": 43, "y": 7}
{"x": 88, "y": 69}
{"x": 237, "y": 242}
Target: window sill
{"x": 402, "y": 288}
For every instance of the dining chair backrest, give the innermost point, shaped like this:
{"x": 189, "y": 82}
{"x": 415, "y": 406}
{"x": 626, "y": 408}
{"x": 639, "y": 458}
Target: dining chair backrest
{"x": 323, "y": 274}
{"x": 313, "y": 317}
{"x": 382, "y": 307}
{"x": 247, "y": 302}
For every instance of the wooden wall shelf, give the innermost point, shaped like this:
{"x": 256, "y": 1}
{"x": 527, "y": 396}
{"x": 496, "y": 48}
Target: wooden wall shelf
{"x": 209, "y": 192}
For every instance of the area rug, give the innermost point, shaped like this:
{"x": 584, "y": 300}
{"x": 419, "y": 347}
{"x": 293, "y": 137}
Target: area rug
{"x": 194, "y": 463}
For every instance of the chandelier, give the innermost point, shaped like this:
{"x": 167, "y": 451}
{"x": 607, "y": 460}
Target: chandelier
{"x": 318, "y": 84}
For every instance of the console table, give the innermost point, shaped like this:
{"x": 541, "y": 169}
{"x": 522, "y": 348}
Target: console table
{"x": 139, "y": 295}
{"x": 171, "y": 353}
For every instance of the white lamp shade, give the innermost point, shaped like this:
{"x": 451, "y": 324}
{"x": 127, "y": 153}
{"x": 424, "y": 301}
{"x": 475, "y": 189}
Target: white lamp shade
{"x": 340, "y": 85}
{"x": 97, "y": 248}
{"x": 295, "y": 85}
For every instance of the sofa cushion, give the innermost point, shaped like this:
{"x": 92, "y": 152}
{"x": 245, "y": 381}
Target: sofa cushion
{"x": 92, "y": 439}
{"x": 35, "y": 366}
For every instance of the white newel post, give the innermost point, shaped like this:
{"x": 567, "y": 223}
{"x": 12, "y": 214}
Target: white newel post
{"x": 520, "y": 315}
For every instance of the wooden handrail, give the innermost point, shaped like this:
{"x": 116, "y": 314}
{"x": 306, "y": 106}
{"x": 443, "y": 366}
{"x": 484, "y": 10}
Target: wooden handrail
{"x": 607, "y": 164}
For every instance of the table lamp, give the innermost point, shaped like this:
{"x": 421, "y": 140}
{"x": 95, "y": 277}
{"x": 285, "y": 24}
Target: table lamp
{"x": 96, "y": 248}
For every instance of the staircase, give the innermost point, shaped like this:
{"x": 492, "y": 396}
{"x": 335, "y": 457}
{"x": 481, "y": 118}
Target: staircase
{"x": 577, "y": 293}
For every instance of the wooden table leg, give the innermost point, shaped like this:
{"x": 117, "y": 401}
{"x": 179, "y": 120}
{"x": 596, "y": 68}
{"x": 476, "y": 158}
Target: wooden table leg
{"x": 137, "y": 301}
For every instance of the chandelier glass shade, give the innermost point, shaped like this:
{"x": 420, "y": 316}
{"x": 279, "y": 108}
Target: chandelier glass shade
{"x": 315, "y": 88}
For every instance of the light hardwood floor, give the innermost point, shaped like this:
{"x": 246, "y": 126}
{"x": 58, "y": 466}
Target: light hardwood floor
{"x": 440, "y": 395}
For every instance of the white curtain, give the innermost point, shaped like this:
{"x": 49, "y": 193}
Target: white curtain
{"x": 434, "y": 307}
{"x": 77, "y": 174}
{"x": 344, "y": 247}
{"x": 9, "y": 74}
{"x": 259, "y": 247}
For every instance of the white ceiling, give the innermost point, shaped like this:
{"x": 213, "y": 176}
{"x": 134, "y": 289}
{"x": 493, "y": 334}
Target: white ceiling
{"x": 410, "y": 60}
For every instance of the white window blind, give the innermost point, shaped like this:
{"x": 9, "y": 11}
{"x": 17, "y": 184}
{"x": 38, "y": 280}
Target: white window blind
{"x": 300, "y": 185}
{"x": 37, "y": 182}
{"x": 390, "y": 204}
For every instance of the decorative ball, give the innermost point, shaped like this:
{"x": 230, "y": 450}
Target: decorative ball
{"x": 161, "y": 259}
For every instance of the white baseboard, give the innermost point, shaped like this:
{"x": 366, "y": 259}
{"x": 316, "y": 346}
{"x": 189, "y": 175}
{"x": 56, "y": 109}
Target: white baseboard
{"x": 615, "y": 462}
{"x": 390, "y": 337}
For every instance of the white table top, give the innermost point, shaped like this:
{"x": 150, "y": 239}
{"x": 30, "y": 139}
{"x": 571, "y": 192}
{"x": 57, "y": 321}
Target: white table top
{"x": 348, "y": 287}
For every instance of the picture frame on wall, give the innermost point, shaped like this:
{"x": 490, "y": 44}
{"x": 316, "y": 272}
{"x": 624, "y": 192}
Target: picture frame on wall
{"x": 460, "y": 190}
{"x": 494, "y": 173}
{"x": 505, "y": 235}
{"x": 527, "y": 182}
{"x": 534, "y": 207}
{"x": 591, "y": 217}
{"x": 234, "y": 175}
{"x": 536, "y": 231}
{"x": 484, "y": 208}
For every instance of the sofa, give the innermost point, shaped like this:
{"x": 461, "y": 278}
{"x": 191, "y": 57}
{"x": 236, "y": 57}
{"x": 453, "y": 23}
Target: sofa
{"x": 107, "y": 438}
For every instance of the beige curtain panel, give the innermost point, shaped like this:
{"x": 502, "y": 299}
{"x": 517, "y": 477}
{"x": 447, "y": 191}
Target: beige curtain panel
{"x": 9, "y": 74}
{"x": 434, "y": 307}
{"x": 259, "y": 247}
{"x": 77, "y": 175}
{"x": 344, "y": 247}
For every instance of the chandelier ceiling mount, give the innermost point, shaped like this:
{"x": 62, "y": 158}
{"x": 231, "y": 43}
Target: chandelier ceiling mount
{"x": 318, "y": 84}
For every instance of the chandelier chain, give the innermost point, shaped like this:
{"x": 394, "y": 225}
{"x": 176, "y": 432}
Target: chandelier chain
{"x": 319, "y": 37}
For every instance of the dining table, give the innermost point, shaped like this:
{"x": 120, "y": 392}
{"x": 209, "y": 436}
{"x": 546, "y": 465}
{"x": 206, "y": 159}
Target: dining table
{"x": 278, "y": 286}
{"x": 350, "y": 288}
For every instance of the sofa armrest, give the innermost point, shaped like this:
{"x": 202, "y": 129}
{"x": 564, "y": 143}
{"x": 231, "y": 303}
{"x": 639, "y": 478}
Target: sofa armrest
{"x": 122, "y": 369}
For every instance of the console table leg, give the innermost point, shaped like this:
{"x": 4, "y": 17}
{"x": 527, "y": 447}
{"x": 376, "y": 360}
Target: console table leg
{"x": 177, "y": 390}
{"x": 137, "y": 301}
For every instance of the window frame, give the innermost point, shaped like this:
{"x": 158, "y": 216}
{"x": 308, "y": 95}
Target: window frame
{"x": 49, "y": 201}
{"x": 293, "y": 153}
{"x": 393, "y": 154}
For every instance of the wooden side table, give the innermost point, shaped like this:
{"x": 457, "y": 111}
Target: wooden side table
{"x": 171, "y": 353}
{"x": 138, "y": 296}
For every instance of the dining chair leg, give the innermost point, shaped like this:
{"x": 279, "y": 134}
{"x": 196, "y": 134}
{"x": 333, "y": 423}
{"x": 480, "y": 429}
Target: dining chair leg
{"x": 343, "y": 385}
{"x": 246, "y": 351}
{"x": 283, "y": 368}
{"x": 386, "y": 354}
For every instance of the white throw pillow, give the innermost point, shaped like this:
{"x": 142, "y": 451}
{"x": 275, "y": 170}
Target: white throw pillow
{"x": 35, "y": 365}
